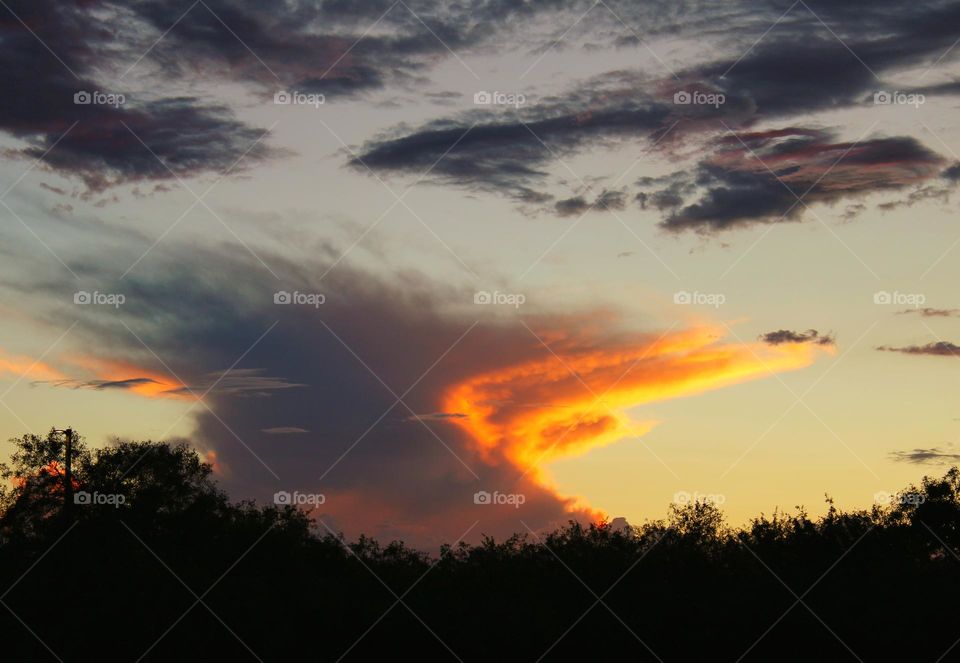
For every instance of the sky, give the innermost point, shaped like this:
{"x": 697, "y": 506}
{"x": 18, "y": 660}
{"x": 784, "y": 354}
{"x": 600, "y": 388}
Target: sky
{"x": 438, "y": 270}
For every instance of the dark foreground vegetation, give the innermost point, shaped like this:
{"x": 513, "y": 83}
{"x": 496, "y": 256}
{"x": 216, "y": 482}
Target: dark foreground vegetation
{"x": 178, "y": 573}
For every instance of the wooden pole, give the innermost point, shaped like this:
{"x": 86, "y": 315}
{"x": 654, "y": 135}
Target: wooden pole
{"x": 68, "y": 475}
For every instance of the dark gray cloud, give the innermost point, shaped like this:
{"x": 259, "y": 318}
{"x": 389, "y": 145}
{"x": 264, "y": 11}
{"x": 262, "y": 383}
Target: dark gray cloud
{"x": 928, "y": 312}
{"x": 437, "y": 416}
{"x": 611, "y": 200}
{"x": 326, "y": 47}
{"x": 759, "y": 177}
{"x": 931, "y": 456}
{"x": 94, "y": 44}
{"x": 787, "y": 336}
{"x": 938, "y": 349}
{"x": 239, "y": 381}
{"x": 952, "y": 173}
{"x": 90, "y": 139}
{"x": 180, "y": 137}
{"x": 299, "y": 45}
{"x": 389, "y": 469}
{"x": 832, "y": 55}
{"x": 798, "y": 68}
{"x": 506, "y": 156}
{"x": 101, "y": 385}
{"x": 345, "y": 48}
{"x": 572, "y": 206}
{"x": 669, "y": 198}
{"x": 578, "y": 205}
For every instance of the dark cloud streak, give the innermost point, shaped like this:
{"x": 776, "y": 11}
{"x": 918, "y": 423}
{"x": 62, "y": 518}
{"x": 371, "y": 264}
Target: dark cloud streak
{"x": 937, "y": 349}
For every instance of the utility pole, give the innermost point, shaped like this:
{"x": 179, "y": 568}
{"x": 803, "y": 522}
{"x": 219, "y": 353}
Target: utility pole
{"x": 68, "y": 474}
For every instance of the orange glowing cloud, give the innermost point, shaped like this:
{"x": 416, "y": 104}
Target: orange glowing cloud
{"x": 135, "y": 379}
{"x": 26, "y": 367}
{"x": 107, "y": 373}
{"x": 574, "y": 397}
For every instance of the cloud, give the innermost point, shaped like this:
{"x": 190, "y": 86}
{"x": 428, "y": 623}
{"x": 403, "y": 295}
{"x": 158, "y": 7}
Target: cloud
{"x": 760, "y": 177}
{"x": 481, "y": 403}
{"x": 496, "y": 404}
{"x": 579, "y": 390}
{"x": 143, "y": 386}
{"x": 101, "y": 385}
{"x": 89, "y": 140}
{"x": 21, "y": 366}
{"x": 578, "y": 205}
{"x": 160, "y": 140}
{"x": 938, "y": 349}
{"x": 803, "y": 66}
{"x": 305, "y": 46}
{"x": 782, "y": 336}
{"x": 745, "y": 178}
{"x": 952, "y": 173}
{"x": 511, "y": 154}
{"x": 437, "y": 416}
{"x": 931, "y": 456}
{"x": 611, "y": 200}
{"x": 123, "y": 376}
{"x": 329, "y": 48}
{"x": 928, "y": 312}
{"x": 239, "y": 381}
{"x": 572, "y": 206}
{"x": 798, "y": 69}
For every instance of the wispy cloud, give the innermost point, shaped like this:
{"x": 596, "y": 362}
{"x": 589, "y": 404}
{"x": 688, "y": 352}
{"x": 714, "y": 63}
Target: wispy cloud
{"x": 928, "y": 312}
{"x": 782, "y": 336}
{"x": 930, "y": 456}
{"x": 937, "y": 349}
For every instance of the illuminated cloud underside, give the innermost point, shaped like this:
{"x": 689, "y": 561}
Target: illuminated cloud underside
{"x": 566, "y": 404}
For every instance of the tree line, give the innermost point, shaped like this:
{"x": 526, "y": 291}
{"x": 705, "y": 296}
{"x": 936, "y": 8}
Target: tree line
{"x": 154, "y": 562}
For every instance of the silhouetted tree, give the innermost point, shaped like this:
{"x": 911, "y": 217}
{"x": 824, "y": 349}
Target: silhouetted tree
{"x": 880, "y": 583}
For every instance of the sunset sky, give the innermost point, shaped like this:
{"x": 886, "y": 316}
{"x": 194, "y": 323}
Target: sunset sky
{"x": 603, "y": 255}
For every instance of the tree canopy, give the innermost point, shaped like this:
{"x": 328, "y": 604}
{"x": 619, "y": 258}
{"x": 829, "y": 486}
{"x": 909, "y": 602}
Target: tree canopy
{"x": 174, "y": 569}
